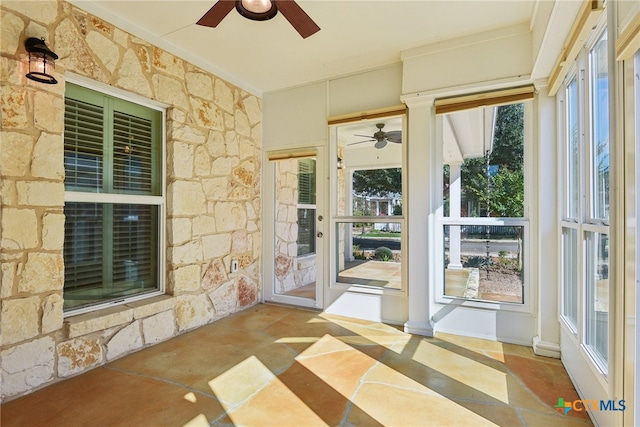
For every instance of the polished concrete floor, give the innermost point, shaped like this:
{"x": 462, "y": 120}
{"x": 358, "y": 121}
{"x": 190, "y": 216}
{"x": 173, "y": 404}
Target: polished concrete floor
{"x": 280, "y": 366}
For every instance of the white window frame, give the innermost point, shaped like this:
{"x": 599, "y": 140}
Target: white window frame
{"x": 160, "y": 201}
{"x": 585, "y": 222}
{"x": 528, "y": 293}
{"x": 337, "y": 219}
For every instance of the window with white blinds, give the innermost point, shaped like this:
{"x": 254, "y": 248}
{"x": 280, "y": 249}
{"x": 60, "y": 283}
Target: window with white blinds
{"x": 114, "y": 199}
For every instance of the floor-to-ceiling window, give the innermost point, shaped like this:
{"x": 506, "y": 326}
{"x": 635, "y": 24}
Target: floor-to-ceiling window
{"x": 584, "y": 101}
{"x": 587, "y": 309}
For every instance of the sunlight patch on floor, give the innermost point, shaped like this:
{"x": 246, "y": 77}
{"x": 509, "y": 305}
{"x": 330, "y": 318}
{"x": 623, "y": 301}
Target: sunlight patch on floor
{"x": 249, "y": 391}
{"x": 238, "y": 383}
{"x": 199, "y": 421}
{"x": 380, "y": 334}
{"x": 362, "y": 379}
{"x": 471, "y": 373}
{"x": 493, "y": 349}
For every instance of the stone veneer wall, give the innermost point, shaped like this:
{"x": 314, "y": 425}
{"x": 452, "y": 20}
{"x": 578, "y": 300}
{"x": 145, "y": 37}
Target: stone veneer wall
{"x": 213, "y": 197}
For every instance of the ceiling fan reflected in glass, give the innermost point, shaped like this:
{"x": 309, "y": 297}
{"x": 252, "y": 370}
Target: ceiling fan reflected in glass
{"x": 381, "y": 137}
{"x": 262, "y": 10}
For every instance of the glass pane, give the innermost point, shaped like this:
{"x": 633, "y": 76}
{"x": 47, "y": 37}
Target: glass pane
{"x": 369, "y": 254}
{"x": 134, "y": 242}
{"x": 306, "y": 231}
{"x": 295, "y": 233}
{"x": 597, "y": 297}
{"x": 600, "y": 130}
{"x": 83, "y": 141}
{"x": 377, "y": 192}
{"x": 132, "y": 153}
{"x": 484, "y": 262}
{"x": 83, "y": 250}
{"x": 483, "y": 162}
{"x": 110, "y": 251}
{"x": 369, "y": 176}
{"x": 570, "y": 276}
{"x": 307, "y": 182}
{"x": 369, "y": 184}
{"x": 572, "y": 160}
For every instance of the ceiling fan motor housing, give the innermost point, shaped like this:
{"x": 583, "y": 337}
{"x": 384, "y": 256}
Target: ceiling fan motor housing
{"x": 254, "y": 15}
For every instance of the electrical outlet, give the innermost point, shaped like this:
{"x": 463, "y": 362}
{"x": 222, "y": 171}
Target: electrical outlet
{"x": 234, "y": 265}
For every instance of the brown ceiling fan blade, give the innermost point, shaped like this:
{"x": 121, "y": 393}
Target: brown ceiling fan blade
{"x": 297, "y": 17}
{"x": 216, "y": 14}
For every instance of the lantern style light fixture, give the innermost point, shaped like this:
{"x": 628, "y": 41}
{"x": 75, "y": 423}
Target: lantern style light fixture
{"x": 41, "y": 61}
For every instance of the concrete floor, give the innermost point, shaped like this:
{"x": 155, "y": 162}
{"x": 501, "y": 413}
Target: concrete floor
{"x": 280, "y": 366}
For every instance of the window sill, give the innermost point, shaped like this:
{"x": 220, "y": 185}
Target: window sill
{"x": 110, "y": 317}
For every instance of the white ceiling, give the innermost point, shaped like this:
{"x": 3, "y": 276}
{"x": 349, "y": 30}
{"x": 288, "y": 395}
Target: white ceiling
{"x": 266, "y": 56}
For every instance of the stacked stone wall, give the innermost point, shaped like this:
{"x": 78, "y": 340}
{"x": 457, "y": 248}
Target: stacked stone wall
{"x": 213, "y": 167}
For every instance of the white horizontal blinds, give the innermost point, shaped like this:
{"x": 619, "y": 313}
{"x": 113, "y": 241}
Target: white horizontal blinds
{"x": 484, "y": 99}
{"x": 135, "y": 230}
{"x": 83, "y": 145}
{"x": 83, "y": 251}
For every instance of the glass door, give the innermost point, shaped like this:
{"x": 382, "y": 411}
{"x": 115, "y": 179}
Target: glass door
{"x": 294, "y": 228}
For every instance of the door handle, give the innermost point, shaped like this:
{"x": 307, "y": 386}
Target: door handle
{"x": 319, "y": 234}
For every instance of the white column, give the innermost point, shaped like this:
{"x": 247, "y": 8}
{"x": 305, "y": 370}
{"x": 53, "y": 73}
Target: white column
{"x": 544, "y": 224}
{"x": 419, "y": 211}
{"x": 455, "y": 194}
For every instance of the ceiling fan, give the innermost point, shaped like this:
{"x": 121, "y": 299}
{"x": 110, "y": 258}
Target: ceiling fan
{"x": 381, "y": 137}
{"x": 262, "y": 10}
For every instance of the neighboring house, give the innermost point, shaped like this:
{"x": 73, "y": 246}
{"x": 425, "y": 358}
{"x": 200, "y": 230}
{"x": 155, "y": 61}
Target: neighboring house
{"x": 379, "y": 206}
{"x": 139, "y": 199}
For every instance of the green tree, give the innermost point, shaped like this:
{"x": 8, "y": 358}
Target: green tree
{"x": 378, "y": 182}
{"x": 496, "y": 181}
{"x": 504, "y": 196}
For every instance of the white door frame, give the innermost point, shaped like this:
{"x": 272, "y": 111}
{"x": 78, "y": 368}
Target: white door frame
{"x": 269, "y": 225}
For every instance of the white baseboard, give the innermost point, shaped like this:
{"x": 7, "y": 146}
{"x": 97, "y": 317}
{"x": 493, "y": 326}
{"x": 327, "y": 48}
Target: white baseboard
{"x": 545, "y": 348}
{"x": 417, "y": 328}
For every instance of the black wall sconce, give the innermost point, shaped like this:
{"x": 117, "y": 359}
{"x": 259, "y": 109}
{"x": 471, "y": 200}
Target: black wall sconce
{"x": 41, "y": 61}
